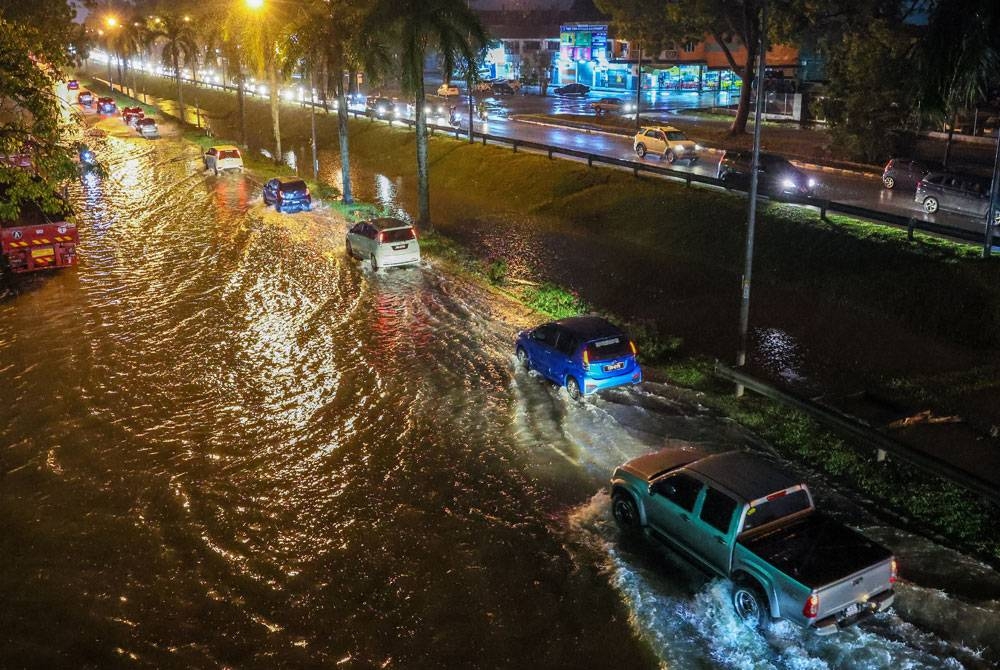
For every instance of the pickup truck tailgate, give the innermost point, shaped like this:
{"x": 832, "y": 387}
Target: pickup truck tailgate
{"x": 819, "y": 552}
{"x": 854, "y": 590}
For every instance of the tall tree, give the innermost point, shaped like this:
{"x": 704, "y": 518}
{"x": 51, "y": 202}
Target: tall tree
{"x": 179, "y": 42}
{"x": 960, "y": 58}
{"x": 37, "y": 39}
{"x": 415, "y": 27}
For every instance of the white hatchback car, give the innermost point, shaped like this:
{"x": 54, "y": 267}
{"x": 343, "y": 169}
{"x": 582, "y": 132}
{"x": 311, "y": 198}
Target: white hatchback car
{"x": 385, "y": 242}
{"x": 223, "y": 158}
{"x": 665, "y": 141}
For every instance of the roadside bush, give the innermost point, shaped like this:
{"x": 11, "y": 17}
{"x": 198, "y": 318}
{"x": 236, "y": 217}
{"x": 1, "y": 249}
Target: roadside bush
{"x": 555, "y": 301}
{"x": 496, "y": 271}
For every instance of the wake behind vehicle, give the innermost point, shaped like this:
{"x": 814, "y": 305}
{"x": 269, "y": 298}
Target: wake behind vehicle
{"x": 147, "y": 127}
{"x": 385, "y": 242}
{"x": 37, "y": 240}
{"x": 740, "y": 517}
{"x": 665, "y": 141}
{"x": 287, "y": 194}
{"x": 223, "y": 158}
{"x": 583, "y": 353}
{"x": 777, "y": 176}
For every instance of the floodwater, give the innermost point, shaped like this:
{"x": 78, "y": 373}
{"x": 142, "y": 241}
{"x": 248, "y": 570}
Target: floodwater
{"x": 227, "y": 445}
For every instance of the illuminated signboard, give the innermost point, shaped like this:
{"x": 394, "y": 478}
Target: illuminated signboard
{"x": 583, "y": 41}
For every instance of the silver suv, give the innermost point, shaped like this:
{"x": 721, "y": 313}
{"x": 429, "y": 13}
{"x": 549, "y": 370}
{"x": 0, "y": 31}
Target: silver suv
{"x": 964, "y": 194}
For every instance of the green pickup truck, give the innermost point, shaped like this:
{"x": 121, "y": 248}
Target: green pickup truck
{"x": 738, "y": 516}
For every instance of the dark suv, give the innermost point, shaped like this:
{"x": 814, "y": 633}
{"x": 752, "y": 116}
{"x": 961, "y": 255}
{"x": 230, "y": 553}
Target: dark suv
{"x": 287, "y": 193}
{"x": 777, "y": 175}
{"x": 905, "y": 172}
{"x": 964, "y": 194}
{"x": 378, "y": 107}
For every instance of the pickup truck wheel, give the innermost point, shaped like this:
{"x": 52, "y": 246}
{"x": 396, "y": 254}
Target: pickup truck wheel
{"x": 626, "y": 513}
{"x": 750, "y": 604}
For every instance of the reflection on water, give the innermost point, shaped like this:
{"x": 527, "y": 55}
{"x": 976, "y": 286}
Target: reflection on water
{"x": 778, "y": 353}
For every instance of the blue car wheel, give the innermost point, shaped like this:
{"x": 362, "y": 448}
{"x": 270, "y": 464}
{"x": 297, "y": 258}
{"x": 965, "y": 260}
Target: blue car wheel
{"x": 573, "y": 388}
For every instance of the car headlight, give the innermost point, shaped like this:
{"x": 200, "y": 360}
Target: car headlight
{"x": 811, "y": 182}
{"x": 698, "y": 147}
{"x": 788, "y": 183}
{"x": 381, "y": 110}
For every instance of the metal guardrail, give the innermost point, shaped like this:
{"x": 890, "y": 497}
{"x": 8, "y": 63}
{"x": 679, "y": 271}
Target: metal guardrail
{"x": 911, "y": 224}
{"x": 864, "y": 434}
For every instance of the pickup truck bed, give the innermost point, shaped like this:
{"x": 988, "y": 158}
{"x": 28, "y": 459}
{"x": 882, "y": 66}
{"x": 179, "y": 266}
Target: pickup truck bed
{"x": 816, "y": 550}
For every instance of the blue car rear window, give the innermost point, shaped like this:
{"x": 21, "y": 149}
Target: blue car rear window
{"x": 608, "y": 347}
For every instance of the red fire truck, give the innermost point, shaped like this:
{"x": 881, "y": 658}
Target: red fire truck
{"x": 38, "y": 241}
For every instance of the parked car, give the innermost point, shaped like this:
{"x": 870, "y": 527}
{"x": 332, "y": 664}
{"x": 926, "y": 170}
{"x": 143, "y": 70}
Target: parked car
{"x": 132, "y": 114}
{"x": 287, "y": 194}
{"x": 106, "y": 106}
{"x": 665, "y": 141}
{"x": 85, "y": 98}
{"x": 447, "y": 90}
{"x": 379, "y": 107}
{"x": 776, "y": 174}
{"x": 964, "y": 194}
{"x": 738, "y": 516}
{"x": 223, "y": 158}
{"x": 386, "y": 242}
{"x": 501, "y": 88}
{"x": 146, "y": 127}
{"x": 72, "y": 85}
{"x": 572, "y": 89}
{"x": 905, "y": 172}
{"x": 583, "y": 353}
{"x": 612, "y": 106}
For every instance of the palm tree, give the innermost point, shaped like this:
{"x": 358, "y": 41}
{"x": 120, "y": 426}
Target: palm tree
{"x": 133, "y": 40}
{"x": 415, "y": 27}
{"x": 179, "y": 46}
{"x": 960, "y": 57}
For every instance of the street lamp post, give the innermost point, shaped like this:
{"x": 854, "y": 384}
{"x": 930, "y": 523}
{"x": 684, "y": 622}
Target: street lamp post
{"x": 741, "y": 356}
{"x": 638, "y": 88}
{"x": 993, "y": 213}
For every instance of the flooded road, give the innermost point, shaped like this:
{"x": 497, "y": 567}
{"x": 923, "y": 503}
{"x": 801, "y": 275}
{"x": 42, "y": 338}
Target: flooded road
{"x": 228, "y": 445}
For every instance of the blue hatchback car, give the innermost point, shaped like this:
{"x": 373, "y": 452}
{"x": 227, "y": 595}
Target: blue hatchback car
{"x": 287, "y": 194}
{"x": 583, "y": 353}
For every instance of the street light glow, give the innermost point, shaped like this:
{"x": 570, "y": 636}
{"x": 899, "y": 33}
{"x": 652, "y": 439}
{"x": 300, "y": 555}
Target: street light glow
{"x": 255, "y": 4}
{"x": 111, "y": 22}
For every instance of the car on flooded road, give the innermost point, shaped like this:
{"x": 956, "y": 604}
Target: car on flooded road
{"x": 738, "y": 516}
{"x": 223, "y": 158}
{"x": 667, "y": 142}
{"x": 386, "y": 242}
{"x": 906, "y": 172}
{"x": 132, "y": 114}
{"x": 776, "y": 175}
{"x": 85, "y": 98}
{"x": 379, "y": 107}
{"x": 287, "y": 194}
{"x": 147, "y": 128}
{"x": 106, "y": 105}
{"x": 968, "y": 195}
{"x": 582, "y": 353}
{"x": 73, "y": 85}
{"x": 572, "y": 90}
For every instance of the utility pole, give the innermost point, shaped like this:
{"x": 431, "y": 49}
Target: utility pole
{"x": 741, "y": 356}
{"x": 993, "y": 213}
{"x": 638, "y": 89}
{"x": 312, "y": 122}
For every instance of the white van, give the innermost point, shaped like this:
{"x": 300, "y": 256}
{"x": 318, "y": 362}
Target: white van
{"x": 223, "y": 158}
{"x": 385, "y": 242}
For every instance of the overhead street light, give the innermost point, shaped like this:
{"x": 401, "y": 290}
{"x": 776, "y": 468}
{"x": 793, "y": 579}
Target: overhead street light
{"x": 255, "y": 4}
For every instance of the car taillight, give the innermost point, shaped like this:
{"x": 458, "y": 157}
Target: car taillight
{"x": 586, "y": 359}
{"x": 920, "y": 184}
{"x": 381, "y": 238}
{"x": 893, "y": 572}
{"x": 811, "y": 608}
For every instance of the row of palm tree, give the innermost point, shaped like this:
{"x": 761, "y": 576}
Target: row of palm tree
{"x": 320, "y": 39}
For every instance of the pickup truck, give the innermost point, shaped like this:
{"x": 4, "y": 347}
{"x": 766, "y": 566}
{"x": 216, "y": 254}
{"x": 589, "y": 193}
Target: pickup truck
{"x": 740, "y": 517}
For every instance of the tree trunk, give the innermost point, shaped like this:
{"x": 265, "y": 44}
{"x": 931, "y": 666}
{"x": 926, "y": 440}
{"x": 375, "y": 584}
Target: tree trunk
{"x": 272, "y": 82}
{"x": 241, "y": 103}
{"x": 951, "y": 133}
{"x": 180, "y": 94}
{"x": 345, "y": 154}
{"x": 423, "y": 176}
{"x": 739, "y": 126}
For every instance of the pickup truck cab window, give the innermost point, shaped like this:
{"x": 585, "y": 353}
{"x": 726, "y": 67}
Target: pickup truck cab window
{"x": 766, "y": 511}
{"x": 680, "y": 489}
{"x": 717, "y": 510}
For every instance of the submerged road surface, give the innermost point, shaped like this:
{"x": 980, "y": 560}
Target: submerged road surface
{"x": 228, "y": 445}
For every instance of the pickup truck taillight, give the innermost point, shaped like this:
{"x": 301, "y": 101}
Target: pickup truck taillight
{"x": 892, "y": 572}
{"x": 811, "y": 609}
